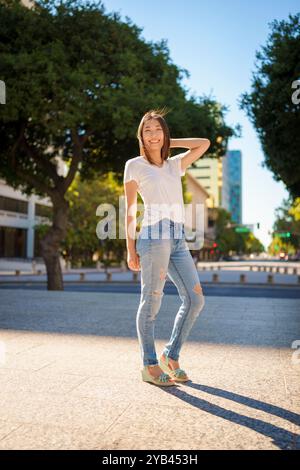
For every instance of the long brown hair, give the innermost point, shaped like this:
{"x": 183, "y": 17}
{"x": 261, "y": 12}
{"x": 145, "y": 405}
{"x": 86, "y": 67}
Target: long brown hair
{"x": 159, "y": 115}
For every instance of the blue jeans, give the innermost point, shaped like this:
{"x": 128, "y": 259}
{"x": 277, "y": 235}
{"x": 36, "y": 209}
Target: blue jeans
{"x": 162, "y": 250}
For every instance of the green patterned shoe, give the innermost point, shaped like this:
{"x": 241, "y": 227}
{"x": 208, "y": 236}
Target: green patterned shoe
{"x": 178, "y": 375}
{"x": 163, "y": 379}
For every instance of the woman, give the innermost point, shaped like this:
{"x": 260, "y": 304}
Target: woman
{"x": 161, "y": 248}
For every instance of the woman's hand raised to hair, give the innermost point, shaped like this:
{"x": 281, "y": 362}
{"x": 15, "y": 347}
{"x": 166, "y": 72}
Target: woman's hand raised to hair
{"x": 133, "y": 260}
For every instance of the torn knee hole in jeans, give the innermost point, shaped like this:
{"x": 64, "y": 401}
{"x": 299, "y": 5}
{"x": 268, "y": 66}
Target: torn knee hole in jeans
{"x": 198, "y": 289}
{"x": 157, "y": 293}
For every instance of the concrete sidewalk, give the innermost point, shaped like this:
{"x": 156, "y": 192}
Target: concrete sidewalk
{"x": 70, "y": 374}
{"x": 127, "y": 276}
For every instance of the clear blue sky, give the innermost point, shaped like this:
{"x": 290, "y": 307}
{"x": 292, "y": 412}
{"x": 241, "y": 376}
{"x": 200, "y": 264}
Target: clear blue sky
{"x": 216, "y": 41}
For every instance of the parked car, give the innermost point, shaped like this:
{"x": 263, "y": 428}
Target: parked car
{"x": 230, "y": 258}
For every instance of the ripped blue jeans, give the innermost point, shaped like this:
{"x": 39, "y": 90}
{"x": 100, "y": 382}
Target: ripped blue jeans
{"x": 162, "y": 250}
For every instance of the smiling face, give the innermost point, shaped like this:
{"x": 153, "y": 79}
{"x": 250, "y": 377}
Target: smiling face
{"x": 153, "y": 135}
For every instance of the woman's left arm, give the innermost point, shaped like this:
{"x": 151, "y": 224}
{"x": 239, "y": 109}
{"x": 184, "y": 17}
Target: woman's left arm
{"x": 197, "y": 147}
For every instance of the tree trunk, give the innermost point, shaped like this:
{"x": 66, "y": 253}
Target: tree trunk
{"x": 51, "y": 243}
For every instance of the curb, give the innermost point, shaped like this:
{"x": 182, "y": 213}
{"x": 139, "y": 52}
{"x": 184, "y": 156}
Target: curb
{"x": 216, "y": 284}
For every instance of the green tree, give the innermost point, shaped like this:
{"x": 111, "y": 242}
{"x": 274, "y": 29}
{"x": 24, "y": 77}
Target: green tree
{"x": 78, "y": 81}
{"x": 81, "y": 242}
{"x": 287, "y": 220}
{"x": 253, "y": 245}
{"x": 279, "y": 244}
{"x": 269, "y": 106}
{"x": 225, "y": 237}
{"x": 231, "y": 241}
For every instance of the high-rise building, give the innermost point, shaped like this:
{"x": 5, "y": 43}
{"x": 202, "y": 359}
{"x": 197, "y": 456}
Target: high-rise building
{"x": 232, "y": 184}
{"x": 208, "y": 173}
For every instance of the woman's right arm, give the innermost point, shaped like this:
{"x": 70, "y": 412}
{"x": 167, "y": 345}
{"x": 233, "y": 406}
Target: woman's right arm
{"x": 130, "y": 189}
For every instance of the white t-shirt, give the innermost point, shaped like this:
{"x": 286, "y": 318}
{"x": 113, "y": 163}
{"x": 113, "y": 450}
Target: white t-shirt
{"x": 160, "y": 188}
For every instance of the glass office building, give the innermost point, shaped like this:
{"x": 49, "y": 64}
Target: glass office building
{"x": 232, "y": 184}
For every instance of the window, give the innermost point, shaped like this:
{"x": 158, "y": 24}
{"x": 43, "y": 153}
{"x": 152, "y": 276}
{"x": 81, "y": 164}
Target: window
{"x": 13, "y": 242}
{"x": 13, "y": 205}
{"x": 43, "y": 211}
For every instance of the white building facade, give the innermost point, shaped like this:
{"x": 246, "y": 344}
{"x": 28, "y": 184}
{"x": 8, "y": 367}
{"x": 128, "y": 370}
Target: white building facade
{"x": 19, "y": 214}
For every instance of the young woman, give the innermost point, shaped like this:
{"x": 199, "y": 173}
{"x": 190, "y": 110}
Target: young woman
{"x": 161, "y": 248}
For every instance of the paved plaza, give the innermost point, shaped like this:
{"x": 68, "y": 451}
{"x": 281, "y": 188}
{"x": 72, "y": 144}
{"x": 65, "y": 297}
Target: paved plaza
{"x": 70, "y": 374}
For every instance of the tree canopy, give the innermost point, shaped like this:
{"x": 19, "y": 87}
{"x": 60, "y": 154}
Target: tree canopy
{"x": 275, "y": 116}
{"x": 78, "y": 81}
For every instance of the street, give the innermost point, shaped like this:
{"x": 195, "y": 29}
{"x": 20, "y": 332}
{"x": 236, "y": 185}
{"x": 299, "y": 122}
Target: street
{"x": 209, "y": 289}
